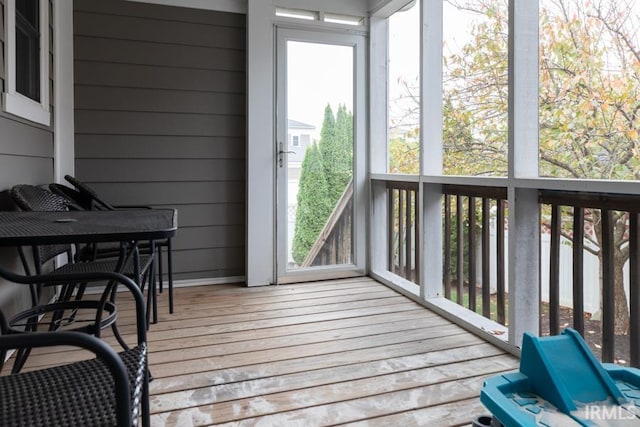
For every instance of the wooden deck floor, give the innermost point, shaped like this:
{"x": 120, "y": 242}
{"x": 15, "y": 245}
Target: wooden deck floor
{"x": 326, "y": 353}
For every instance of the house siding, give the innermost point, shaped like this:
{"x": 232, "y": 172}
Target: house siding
{"x": 2, "y": 52}
{"x": 26, "y": 157}
{"x": 160, "y": 120}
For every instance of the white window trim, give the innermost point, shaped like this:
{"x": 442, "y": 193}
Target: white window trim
{"x": 14, "y": 102}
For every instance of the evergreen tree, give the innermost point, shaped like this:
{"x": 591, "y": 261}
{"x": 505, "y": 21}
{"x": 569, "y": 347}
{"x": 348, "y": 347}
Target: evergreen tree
{"x": 327, "y": 136}
{"x": 326, "y": 170}
{"x": 313, "y": 204}
{"x": 343, "y": 160}
{"x": 336, "y": 149}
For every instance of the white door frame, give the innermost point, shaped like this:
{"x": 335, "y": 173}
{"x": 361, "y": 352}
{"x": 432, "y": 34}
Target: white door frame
{"x": 357, "y": 42}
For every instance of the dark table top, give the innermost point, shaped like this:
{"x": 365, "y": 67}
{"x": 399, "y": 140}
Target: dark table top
{"x": 42, "y": 228}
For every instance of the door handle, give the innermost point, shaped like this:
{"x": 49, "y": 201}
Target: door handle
{"x": 281, "y": 154}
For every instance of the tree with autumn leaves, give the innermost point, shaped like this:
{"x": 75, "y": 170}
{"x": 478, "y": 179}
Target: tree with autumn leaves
{"x": 589, "y": 102}
{"x": 589, "y": 105}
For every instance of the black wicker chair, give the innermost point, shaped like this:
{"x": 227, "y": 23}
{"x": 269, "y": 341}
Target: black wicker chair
{"x": 87, "y": 196}
{"x": 109, "y": 390}
{"x": 73, "y": 196}
{"x": 64, "y": 312}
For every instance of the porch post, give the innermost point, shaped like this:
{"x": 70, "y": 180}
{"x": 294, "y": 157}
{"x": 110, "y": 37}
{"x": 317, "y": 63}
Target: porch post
{"x": 260, "y": 252}
{"x": 524, "y": 210}
{"x": 431, "y": 163}
{"x": 63, "y": 116}
{"x": 524, "y": 263}
{"x": 378, "y": 136}
{"x": 378, "y": 95}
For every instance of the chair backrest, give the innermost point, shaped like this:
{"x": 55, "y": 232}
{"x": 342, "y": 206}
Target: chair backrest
{"x": 32, "y": 198}
{"x": 73, "y": 196}
{"x": 87, "y": 192}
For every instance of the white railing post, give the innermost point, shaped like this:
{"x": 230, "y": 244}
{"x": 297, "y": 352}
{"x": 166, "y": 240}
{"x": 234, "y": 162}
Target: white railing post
{"x": 378, "y": 227}
{"x": 431, "y": 239}
{"x": 524, "y": 263}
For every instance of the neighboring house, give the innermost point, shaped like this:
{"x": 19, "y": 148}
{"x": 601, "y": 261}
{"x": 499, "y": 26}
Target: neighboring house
{"x": 300, "y": 136}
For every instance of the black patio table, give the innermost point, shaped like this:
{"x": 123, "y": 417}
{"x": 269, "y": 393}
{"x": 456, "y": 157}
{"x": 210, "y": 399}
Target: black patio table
{"x": 18, "y": 228}
{"x": 46, "y": 228}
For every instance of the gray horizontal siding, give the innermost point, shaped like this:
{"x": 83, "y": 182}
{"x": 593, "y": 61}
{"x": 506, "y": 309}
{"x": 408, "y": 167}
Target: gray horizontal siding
{"x": 160, "y": 99}
{"x": 2, "y": 49}
{"x": 169, "y": 193}
{"x": 159, "y": 147}
{"x": 216, "y": 262}
{"x": 159, "y": 12}
{"x": 21, "y": 139}
{"x": 225, "y": 214}
{"x": 152, "y": 53}
{"x": 143, "y": 123}
{"x": 167, "y": 170}
{"x": 120, "y": 27}
{"x": 213, "y": 237}
{"x": 24, "y": 170}
{"x": 151, "y": 76}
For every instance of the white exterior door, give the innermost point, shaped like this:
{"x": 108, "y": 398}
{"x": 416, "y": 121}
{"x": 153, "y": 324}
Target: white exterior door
{"x": 320, "y": 155}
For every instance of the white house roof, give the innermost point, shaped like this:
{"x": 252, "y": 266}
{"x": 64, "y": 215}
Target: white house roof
{"x": 294, "y": 124}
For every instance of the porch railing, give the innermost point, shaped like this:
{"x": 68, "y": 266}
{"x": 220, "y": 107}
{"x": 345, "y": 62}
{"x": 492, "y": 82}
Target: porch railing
{"x": 589, "y": 258}
{"x": 606, "y": 225}
{"x": 466, "y": 220}
{"x": 333, "y": 245}
{"x": 404, "y": 213}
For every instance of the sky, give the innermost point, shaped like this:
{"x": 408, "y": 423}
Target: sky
{"x": 318, "y": 74}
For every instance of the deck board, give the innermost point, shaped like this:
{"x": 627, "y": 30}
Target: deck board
{"x": 325, "y": 353}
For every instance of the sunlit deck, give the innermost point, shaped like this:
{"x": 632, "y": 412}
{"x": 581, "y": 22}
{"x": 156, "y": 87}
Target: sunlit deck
{"x": 324, "y": 353}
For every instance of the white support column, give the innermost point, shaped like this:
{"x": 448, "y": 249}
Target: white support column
{"x": 378, "y": 137}
{"x": 260, "y": 144}
{"x": 63, "y": 120}
{"x": 524, "y": 211}
{"x": 523, "y": 89}
{"x": 430, "y": 279}
{"x": 378, "y": 95}
{"x": 431, "y": 88}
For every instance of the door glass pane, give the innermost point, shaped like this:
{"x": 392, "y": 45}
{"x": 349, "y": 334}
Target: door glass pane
{"x": 320, "y": 159}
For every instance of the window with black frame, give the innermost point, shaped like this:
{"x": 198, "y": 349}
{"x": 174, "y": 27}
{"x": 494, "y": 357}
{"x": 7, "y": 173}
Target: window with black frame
{"x": 28, "y": 48}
